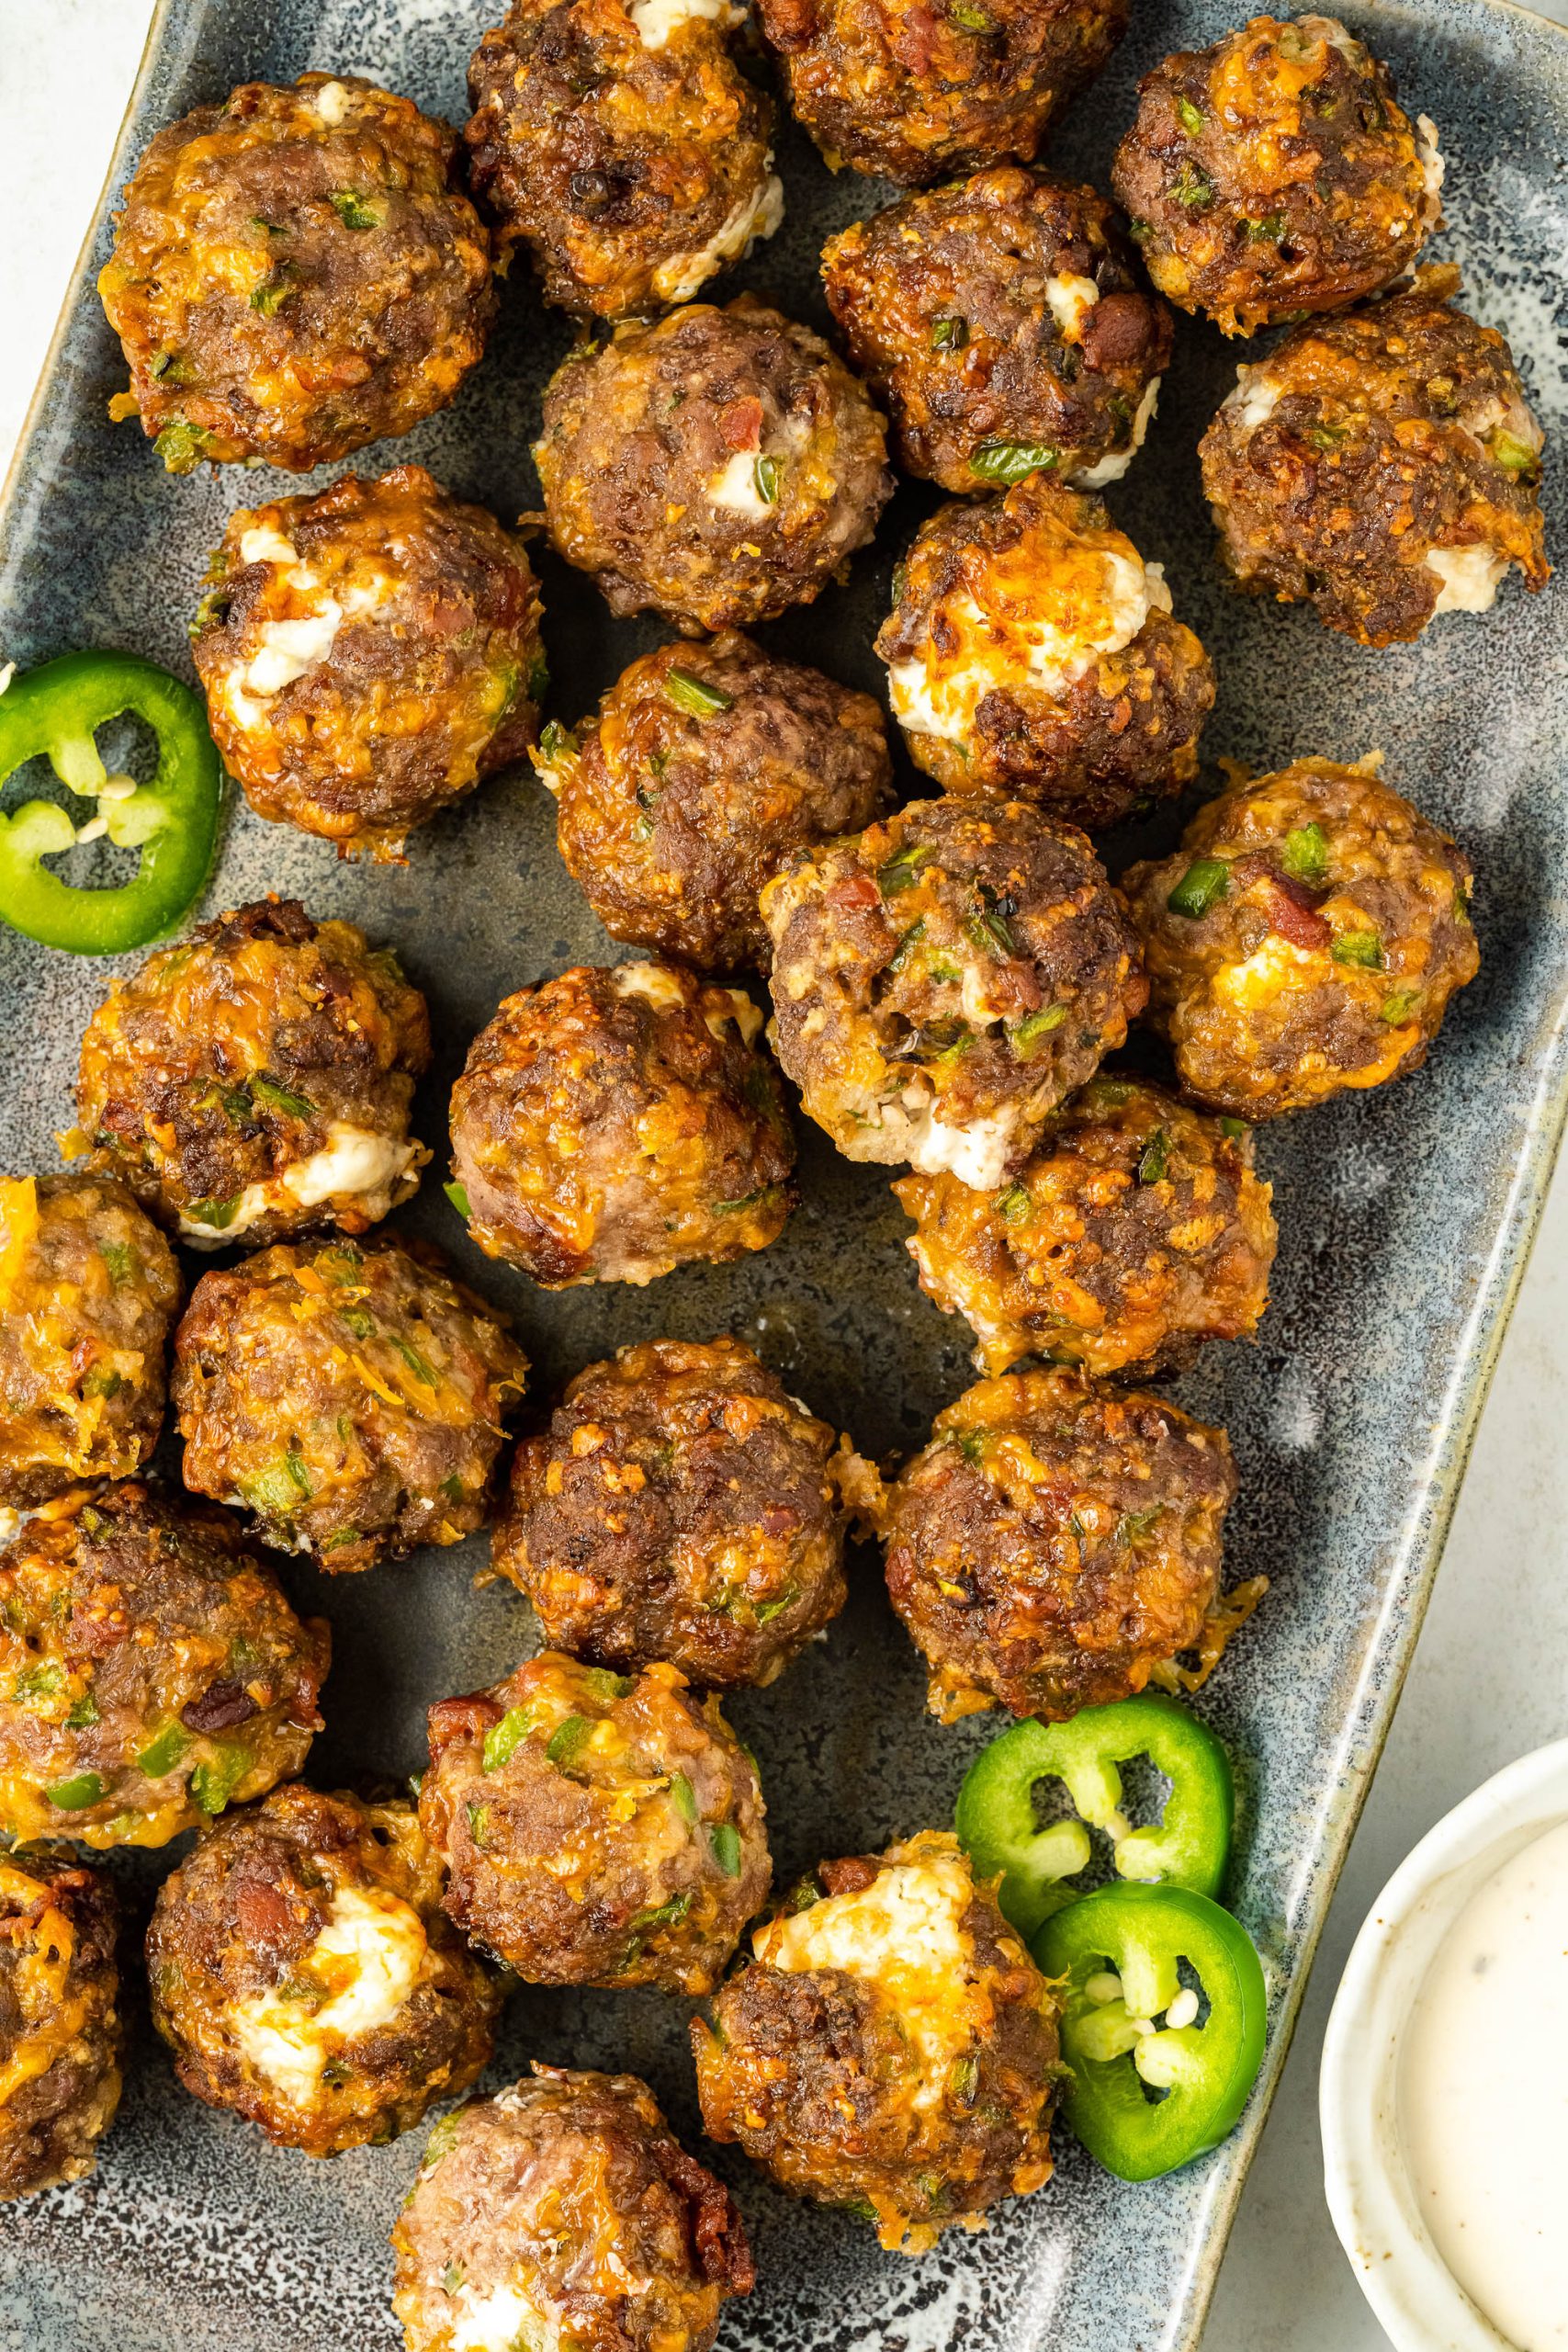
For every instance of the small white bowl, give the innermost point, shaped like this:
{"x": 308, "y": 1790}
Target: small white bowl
{"x": 1421, "y": 2305}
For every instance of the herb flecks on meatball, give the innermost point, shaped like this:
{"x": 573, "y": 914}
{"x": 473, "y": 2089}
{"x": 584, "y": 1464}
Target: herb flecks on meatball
{"x": 295, "y": 273}
{"x": 1031, "y": 651}
{"x": 892, "y": 2048}
{"x": 599, "y": 1828}
{"x": 1275, "y": 173}
{"x": 1001, "y": 321}
{"x": 59, "y": 2027}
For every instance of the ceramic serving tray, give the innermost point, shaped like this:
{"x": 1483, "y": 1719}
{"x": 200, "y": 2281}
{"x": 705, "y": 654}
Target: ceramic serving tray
{"x": 1405, "y": 1221}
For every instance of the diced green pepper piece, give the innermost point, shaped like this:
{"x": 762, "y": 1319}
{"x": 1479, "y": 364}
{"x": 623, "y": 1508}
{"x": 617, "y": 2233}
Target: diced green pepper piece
{"x": 1206, "y": 881}
{"x": 694, "y": 696}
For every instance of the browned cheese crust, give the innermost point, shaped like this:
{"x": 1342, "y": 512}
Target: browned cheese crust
{"x": 59, "y": 2027}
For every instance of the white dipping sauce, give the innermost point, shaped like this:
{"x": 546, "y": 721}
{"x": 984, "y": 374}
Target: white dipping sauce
{"x": 1483, "y": 2096}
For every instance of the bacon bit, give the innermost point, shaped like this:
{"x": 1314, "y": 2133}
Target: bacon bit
{"x": 853, "y": 890}
{"x": 1293, "y": 913}
{"x": 741, "y": 424}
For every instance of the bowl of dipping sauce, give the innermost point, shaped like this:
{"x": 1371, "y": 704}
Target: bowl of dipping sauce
{"x": 1444, "y": 2090}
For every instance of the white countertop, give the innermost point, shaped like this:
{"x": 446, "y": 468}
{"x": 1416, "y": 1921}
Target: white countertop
{"x": 1478, "y": 1694}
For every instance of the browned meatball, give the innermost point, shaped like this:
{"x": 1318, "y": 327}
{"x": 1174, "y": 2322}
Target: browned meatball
{"x": 254, "y": 1081}
{"x": 88, "y": 1288}
{"x": 892, "y": 2048}
{"x": 918, "y": 93}
{"x": 718, "y": 467}
{"x": 1383, "y": 465}
{"x": 352, "y": 1398}
{"x": 562, "y": 2211}
{"x": 599, "y": 1828}
{"x": 1056, "y": 1542}
{"x": 369, "y": 654}
{"x": 151, "y": 1671}
{"x": 1305, "y": 938}
{"x": 1001, "y": 322}
{"x": 705, "y": 765}
{"x": 618, "y": 141}
{"x": 1137, "y": 1231}
{"x": 1031, "y": 650}
{"x": 1275, "y": 173}
{"x": 943, "y": 982}
{"x": 295, "y": 273}
{"x": 304, "y": 1974}
{"x": 59, "y": 2027}
{"x": 611, "y": 1125}
{"x": 679, "y": 1506}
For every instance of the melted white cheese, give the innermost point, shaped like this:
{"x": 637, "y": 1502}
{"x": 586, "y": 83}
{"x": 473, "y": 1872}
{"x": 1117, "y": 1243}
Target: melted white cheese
{"x": 263, "y": 544}
{"x": 1433, "y": 167}
{"x": 1071, "y": 300}
{"x": 655, "y": 983}
{"x": 657, "y": 19}
{"x": 1113, "y": 468}
{"x": 735, "y": 488}
{"x": 382, "y": 1937}
{"x": 1471, "y": 577}
{"x": 745, "y": 1016}
{"x": 331, "y": 102}
{"x": 354, "y": 1161}
{"x": 501, "y": 2321}
{"x": 976, "y": 1153}
{"x": 1254, "y": 398}
{"x": 757, "y": 216}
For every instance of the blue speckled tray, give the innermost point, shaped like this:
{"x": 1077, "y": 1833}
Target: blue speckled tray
{"x": 1406, "y": 1219}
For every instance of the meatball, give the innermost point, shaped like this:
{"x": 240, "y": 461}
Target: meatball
{"x": 1274, "y": 174}
{"x": 88, "y": 1289}
{"x": 599, "y": 1828}
{"x": 1305, "y": 938}
{"x": 943, "y": 982}
{"x": 304, "y": 1974}
{"x": 617, "y": 139}
{"x": 352, "y": 1399}
{"x": 563, "y": 2212}
{"x": 1056, "y": 1542}
{"x": 1000, "y": 321}
{"x": 151, "y": 1671}
{"x": 892, "y": 87}
{"x": 256, "y": 1080}
{"x": 892, "y": 2048}
{"x": 369, "y": 654}
{"x": 59, "y": 2027}
{"x": 295, "y": 273}
{"x": 705, "y": 765}
{"x": 679, "y": 1506}
{"x": 1137, "y": 1231}
{"x": 1383, "y": 465}
{"x": 717, "y": 466}
{"x": 612, "y": 1124}
{"x": 1031, "y": 651}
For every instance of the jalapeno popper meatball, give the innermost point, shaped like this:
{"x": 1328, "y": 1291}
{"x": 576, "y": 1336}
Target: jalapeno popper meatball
{"x": 717, "y": 466}
{"x": 562, "y": 2212}
{"x": 1304, "y": 939}
{"x": 1383, "y": 465}
{"x": 612, "y": 1124}
{"x": 369, "y": 654}
{"x": 1000, "y": 321}
{"x": 304, "y": 1974}
{"x": 88, "y": 1289}
{"x": 1032, "y": 650}
{"x": 1056, "y": 1542}
{"x": 352, "y": 1398}
{"x": 255, "y": 1081}
{"x": 1275, "y": 173}
{"x": 150, "y": 1671}
{"x": 1137, "y": 1231}
{"x": 295, "y": 273}
{"x": 59, "y": 2027}
{"x": 617, "y": 139}
{"x": 943, "y": 982}
{"x": 599, "y": 1828}
{"x": 705, "y": 765}
{"x": 892, "y": 2048}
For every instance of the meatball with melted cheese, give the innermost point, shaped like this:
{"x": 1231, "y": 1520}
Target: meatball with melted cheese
{"x": 717, "y": 466}
{"x": 1304, "y": 939}
{"x": 88, "y": 1289}
{"x": 943, "y": 981}
{"x": 617, "y": 139}
{"x": 1384, "y": 466}
{"x": 60, "y": 2027}
{"x": 295, "y": 273}
{"x": 369, "y": 654}
{"x": 1001, "y": 322}
{"x": 254, "y": 1081}
{"x": 1136, "y": 1232}
{"x": 891, "y": 2049}
{"x": 1031, "y": 651}
{"x": 305, "y": 1976}
{"x": 599, "y": 1828}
